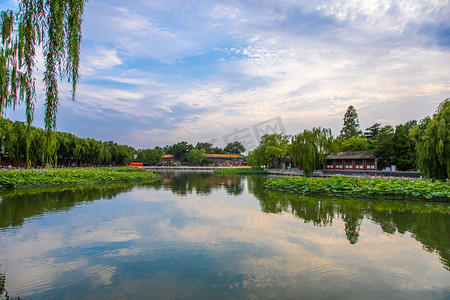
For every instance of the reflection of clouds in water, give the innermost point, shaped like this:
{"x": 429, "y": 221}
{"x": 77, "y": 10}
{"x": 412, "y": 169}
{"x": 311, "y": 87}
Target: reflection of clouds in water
{"x": 299, "y": 248}
{"x": 100, "y": 274}
{"x": 119, "y": 230}
{"x": 40, "y": 258}
{"x": 260, "y": 250}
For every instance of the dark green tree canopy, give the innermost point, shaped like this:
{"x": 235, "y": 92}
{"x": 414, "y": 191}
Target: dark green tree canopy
{"x": 432, "y": 138}
{"x": 351, "y": 124}
{"x": 179, "y": 150}
{"x": 152, "y": 156}
{"x": 54, "y": 25}
{"x": 372, "y": 131}
{"x": 234, "y": 148}
{"x": 205, "y": 145}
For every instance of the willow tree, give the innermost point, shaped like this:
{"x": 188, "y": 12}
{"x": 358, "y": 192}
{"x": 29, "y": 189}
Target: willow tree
{"x": 310, "y": 148}
{"x": 432, "y": 138}
{"x": 54, "y": 26}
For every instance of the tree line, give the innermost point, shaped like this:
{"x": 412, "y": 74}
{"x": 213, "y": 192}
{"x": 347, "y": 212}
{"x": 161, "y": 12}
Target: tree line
{"x": 25, "y": 144}
{"x": 423, "y": 145}
{"x": 185, "y": 152}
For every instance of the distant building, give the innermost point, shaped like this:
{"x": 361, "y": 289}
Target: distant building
{"x": 168, "y": 158}
{"x": 352, "y": 161}
{"x": 227, "y": 159}
{"x": 214, "y": 159}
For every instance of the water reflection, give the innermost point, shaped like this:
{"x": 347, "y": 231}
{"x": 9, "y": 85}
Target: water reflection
{"x": 18, "y": 205}
{"x": 429, "y": 223}
{"x": 196, "y": 235}
{"x": 204, "y": 183}
{"x": 3, "y": 292}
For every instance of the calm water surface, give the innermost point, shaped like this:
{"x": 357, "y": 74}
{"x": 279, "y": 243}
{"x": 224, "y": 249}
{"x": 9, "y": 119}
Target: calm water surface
{"x": 197, "y": 235}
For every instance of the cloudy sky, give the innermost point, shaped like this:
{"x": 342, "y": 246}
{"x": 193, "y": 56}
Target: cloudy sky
{"x": 157, "y": 72}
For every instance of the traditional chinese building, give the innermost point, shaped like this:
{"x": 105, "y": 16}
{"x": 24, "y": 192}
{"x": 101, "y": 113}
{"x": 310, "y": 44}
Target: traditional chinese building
{"x": 169, "y": 159}
{"x": 227, "y": 159}
{"x": 355, "y": 161}
{"x": 215, "y": 159}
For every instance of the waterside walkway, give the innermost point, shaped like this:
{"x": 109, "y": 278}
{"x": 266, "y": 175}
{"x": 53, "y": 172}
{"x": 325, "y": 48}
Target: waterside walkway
{"x": 188, "y": 168}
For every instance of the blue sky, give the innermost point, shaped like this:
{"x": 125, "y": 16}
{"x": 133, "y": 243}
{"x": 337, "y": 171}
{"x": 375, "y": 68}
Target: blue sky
{"x": 158, "y": 72}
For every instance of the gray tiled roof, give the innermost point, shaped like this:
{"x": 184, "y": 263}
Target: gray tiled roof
{"x": 353, "y": 155}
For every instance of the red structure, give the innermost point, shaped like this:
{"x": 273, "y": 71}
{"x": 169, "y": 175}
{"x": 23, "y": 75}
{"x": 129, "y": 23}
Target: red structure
{"x": 137, "y": 164}
{"x": 352, "y": 161}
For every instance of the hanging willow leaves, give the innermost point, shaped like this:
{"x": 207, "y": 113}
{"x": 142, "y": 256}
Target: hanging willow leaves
{"x": 432, "y": 137}
{"x": 310, "y": 148}
{"x": 54, "y": 25}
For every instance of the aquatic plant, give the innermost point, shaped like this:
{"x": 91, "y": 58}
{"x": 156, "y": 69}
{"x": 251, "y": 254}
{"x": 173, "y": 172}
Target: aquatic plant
{"x": 52, "y": 176}
{"x": 364, "y": 186}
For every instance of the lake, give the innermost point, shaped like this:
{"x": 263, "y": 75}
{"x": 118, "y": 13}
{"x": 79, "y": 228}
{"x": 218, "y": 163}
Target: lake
{"x": 200, "y": 236}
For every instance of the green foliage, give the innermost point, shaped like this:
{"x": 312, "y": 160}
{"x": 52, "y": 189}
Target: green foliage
{"x": 363, "y": 186}
{"x": 310, "y": 148}
{"x": 242, "y": 171}
{"x": 385, "y": 146}
{"x": 234, "y": 148}
{"x": 372, "y": 131}
{"x": 404, "y": 155}
{"x": 35, "y": 177}
{"x": 196, "y": 156}
{"x": 205, "y": 145}
{"x": 351, "y": 124}
{"x": 209, "y": 148}
{"x": 179, "y": 150}
{"x": 35, "y": 145}
{"x": 355, "y": 144}
{"x": 432, "y": 138}
{"x": 54, "y": 25}
{"x": 152, "y": 156}
{"x": 272, "y": 149}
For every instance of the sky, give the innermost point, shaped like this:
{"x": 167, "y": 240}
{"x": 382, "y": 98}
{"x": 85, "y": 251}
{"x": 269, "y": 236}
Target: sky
{"x": 154, "y": 73}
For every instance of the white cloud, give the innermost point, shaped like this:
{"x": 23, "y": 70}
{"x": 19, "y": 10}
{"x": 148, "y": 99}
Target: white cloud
{"x": 204, "y": 69}
{"x": 99, "y": 59}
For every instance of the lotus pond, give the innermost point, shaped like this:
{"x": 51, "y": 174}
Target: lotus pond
{"x": 196, "y": 235}
{"x": 53, "y": 176}
{"x": 364, "y": 186}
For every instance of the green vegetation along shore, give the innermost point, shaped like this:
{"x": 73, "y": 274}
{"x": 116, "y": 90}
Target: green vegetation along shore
{"x": 363, "y": 186}
{"x": 53, "y": 176}
{"x": 242, "y": 171}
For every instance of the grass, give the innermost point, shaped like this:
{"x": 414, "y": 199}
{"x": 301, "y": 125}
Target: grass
{"x": 433, "y": 190}
{"x": 50, "y": 176}
{"x": 241, "y": 171}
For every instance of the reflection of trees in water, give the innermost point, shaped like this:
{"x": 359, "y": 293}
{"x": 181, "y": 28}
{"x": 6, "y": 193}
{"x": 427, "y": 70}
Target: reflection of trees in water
{"x": 3, "y": 292}
{"x": 432, "y": 230}
{"x": 428, "y": 223}
{"x": 184, "y": 183}
{"x": 18, "y": 205}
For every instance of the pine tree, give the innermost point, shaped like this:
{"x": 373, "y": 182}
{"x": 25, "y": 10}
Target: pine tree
{"x": 351, "y": 124}
{"x": 372, "y": 131}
